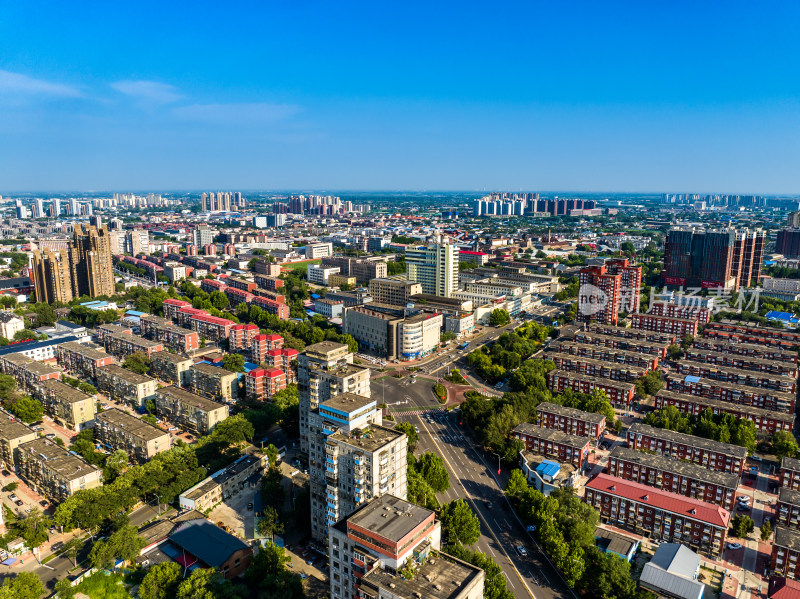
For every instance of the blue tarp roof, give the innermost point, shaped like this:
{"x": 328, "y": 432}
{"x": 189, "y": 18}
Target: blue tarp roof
{"x": 548, "y": 468}
{"x": 783, "y": 316}
{"x": 9, "y": 561}
{"x": 134, "y": 313}
{"x": 314, "y": 296}
{"x": 692, "y": 379}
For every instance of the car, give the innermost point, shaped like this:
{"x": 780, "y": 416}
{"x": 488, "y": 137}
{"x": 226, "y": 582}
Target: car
{"x": 6, "y": 473}
{"x": 531, "y": 528}
{"x": 734, "y": 546}
{"x": 19, "y": 502}
{"x": 13, "y": 497}
{"x": 43, "y": 503}
{"x": 742, "y": 508}
{"x": 303, "y": 575}
{"x": 312, "y": 561}
{"x": 58, "y": 546}
{"x": 521, "y": 550}
{"x": 743, "y": 499}
{"x": 250, "y": 507}
{"x": 488, "y": 505}
{"x": 50, "y": 436}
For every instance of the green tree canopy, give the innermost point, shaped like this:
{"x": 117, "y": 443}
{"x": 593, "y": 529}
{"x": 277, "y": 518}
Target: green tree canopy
{"x": 25, "y": 585}
{"x": 784, "y": 444}
{"x": 433, "y": 470}
{"x": 499, "y": 317}
{"x": 233, "y": 362}
{"x": 459, "y": 523}
{"x": 410, "y": 432}
{"x": 161, "y": 581}
{"x": 137, "y": 362}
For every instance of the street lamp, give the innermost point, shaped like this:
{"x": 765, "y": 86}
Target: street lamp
{"x": 498, "y": 462}
{"x": 159, "y": 502}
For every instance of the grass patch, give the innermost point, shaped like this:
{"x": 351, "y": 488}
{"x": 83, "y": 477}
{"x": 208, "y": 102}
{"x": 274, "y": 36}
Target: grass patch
{"x": 440, "y": 392}
{"x": 104, "y": 585}
{"x": 299, "y": 265}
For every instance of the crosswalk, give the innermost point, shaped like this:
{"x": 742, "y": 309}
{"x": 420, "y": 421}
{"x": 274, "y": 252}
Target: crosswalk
{"x": 421, "y": 412}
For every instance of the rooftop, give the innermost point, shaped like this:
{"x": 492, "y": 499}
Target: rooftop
{"x": 389, "y": 517}
{"x": 787, "y": 537}
{"x": 693, "y": 471}
{"x": 130, "y": 423}
{"x": 66, "y": 464}
{"x": 170, "y": 357}
{"x": 539, "y": 432}
{"x": 689, "y": 440}
{"x": 206, "y": 541}
{"x": 63, "y": 392}
{"x": 635, "y": 370}
{"x": 790, "y": 463}
{"x": 570, "y": 412}
{"x": 90, "y": 350}
{"x": 21, "y": 347}
{"x": 13, "y": 429}
{"x": 577, "y": 376}
{"x": 662, "y": 500}
{"x": 726, "y": 406}
{"x": 210, "y": 369}
{"x": 187, "y": 397}
{"x": 127, "y": 375}
{"x": 788, "y": 495}
{"x": 135, "y": 340}
{"x": 608, "y": 540}
{"x": 323, "y": 348}
{"x": 441, "y": 576}
{"x": 369, "y": 440}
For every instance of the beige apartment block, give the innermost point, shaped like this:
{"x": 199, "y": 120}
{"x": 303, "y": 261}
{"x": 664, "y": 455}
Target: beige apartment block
{"x": 171, "y": 368}
{"x": 189, "y": 410}
{"x": 123, "y": 385}
{"x": 12, "y": 434}
{"x": 54, "y": 472}
{"x": 68, "y": 406}
{"x": 214, "y": 382}
{"x": 119, "y": 430}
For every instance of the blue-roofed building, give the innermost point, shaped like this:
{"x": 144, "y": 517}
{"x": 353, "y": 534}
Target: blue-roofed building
{"x": 546, "y": 475}
{"x": 691, "y": 379}
{"x": 41, "y": 350}
{"x": 100, "y": 305}
{"x": 786, "y": 318}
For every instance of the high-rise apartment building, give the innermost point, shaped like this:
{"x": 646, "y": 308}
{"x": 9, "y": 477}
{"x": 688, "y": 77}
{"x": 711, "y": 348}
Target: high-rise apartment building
{"x": 618, "y": 282}
{"x": 203, "y": 235}
{"x": 713, "y": 258}
{"x": 352, "y": 459}
{"x": 435, "y": 267}
{"x": 52, "y": 276}
{"x": 90, "y": 261}
{"x": 325, "y": 370}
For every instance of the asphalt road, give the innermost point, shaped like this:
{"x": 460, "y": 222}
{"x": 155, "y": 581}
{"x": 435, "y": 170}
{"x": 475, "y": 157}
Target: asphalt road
{"x": 473, "y": 479}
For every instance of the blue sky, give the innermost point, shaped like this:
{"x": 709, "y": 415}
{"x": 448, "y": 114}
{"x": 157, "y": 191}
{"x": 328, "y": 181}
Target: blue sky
{"x": 639, "y": 96}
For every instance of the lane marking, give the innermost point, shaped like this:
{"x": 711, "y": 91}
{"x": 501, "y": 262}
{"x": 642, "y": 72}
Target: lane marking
{"x": 477, "y": 511}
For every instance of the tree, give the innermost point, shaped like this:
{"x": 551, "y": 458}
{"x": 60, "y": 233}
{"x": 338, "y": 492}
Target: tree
{"x": 26, "y": 409}
{"x": 742, "y": 526}
{"x": 137, "y": 362}
{"x": 72, "y": 548}
{"x": 674, "y": 351}
{"x": 25, "y": 585}
{"x": 200, "y": 585}
{"x": 11, "y": 487}
{"x": 219, "y": 300}
{"x": 269, "y": 575}
{"x": 161, "y": 581}
{"x": 124, "y": 544}
{"x": 447, "y": 336}
{"x": 410, "y": 432}
{"x": 627, "y": 247}
{"x": 235, "y": 429}
{"x": 34, "y": 528}
{"x": 116, "y": 463}
{"x": 499, "y": 317}
{"x": 784, "y": 444}
{"x": 460, "y": 523}
{"x": 64, "y": 589}
{"x": 766, "y": 530}
{"x": 24, "y": 335}
{"x": 432, "y": 469}
{"x": 272, "y": 491}
{"x": 517, "y": 483}
{"x": 233, "y": 362}
{"x": 270, "y": 524}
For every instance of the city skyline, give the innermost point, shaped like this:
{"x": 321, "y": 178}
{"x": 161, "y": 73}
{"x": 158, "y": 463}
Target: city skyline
{"x": 533, "y": 97}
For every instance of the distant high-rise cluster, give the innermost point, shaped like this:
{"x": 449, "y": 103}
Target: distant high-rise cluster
{"x": 318, "y": 205}
{"x": 713, "y": 258}
{"x": 529, "y": 204}
{"x": 715, "y": 200}
{"x": 130, "y": 200}
{"x": 84, "y": 268}
{"x": 221, "y": 201}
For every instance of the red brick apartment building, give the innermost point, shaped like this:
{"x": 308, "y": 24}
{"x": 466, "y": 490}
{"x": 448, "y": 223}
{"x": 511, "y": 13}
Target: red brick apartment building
{"x": 571, "y": 421}
{"x": 765, "y": 421}
{"x": 702, "y": 315}
{"x": 722, "y": 457}
{"x": 642, "y": 346}
{"x": 690, "y": 480}
{"x": 172, "y": 306}
{"x": 262, "y": 344}
{"x": 599, "y": 368}
{"x": 628, "y": 333}
{"x": 680, "y": 327}
{"x": 659, "y": 514}
{"x": 210, "y": 285}
{"x": 786, "y": 553}
{"x": 106, "y": 330}
{"x": 207, "y": 326}
{"x": 272, "y": 306}
{"x": 241, "y": 284}
{"x": 728, "y": 374}
{"x": 790, "y": 473}
{"x": 268, "y": 283}
{"x": 171, "y": 335}
{"x": 787, "y": 508}
{"x": 616, "y": 356}
{"x": 756, "y": 397}
{"x": 566, "y": 448}
{"x": 82, "y": 359}
{"x": 263, "y": 383}
{"x": 618, "y": 392}
{"x": 619, "y": 281}
{"x": 726, "y": 359}
{"x": 284, "y": 359}
{"x": 753, "y": 350}
{"x": 274, "y": 296}
{"x": 237, "y": 296}
{"x": 242, "y": 335}
{"x": 752, "y": 334}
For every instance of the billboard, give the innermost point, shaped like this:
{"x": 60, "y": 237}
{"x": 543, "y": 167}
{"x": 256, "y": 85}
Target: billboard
{"x": 675, "y": 281}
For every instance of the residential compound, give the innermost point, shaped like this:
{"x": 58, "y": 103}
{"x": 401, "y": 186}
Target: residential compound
{"x": 369, "y": 548}
{"x": 53, "y": 471}
{"x": 125, "y": 386}
{"x": 186, "y": 409}
{"x": 68, "y": 406}
{"x": 214, "y": 382}
{"x": 83, "y": 359}
{"x": 28, "y": 372}
{"x": 116, "y": 429}
{"x": 162, "y": 330}
{"x": 571, "y": 421}
{"x": 607, "y": 290}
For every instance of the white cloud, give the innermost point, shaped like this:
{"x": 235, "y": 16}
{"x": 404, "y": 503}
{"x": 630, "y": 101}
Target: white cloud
{"x": 18, "y": 84}
{"x": 148, "y": 91}
{"x": 236, "y": 113}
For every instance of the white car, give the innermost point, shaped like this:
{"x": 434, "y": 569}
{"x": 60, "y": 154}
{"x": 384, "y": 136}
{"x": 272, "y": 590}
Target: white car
{"x": 745, "y": 499}
{"x": 734, "y": 545}
{"x": 521, "y": 550}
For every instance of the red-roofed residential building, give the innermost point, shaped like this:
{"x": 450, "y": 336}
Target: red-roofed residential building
{"x": 260, "y": 345}
{"x": 271, "y": 306}
{"x": 207, "y": 326}
{"x": 263, "y": 383}
{"x": 209, "y": 285}
{"x": 783, "y": 588}
{"x": 659, "y": 514}
{"x": 242, "y": 336}
{"x": 172, "y": 306}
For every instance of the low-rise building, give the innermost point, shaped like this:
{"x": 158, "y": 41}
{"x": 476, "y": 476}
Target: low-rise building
{"x": 28, "y": 372}
{"x": 13, "y": 433}
{"x": 571, "y": 421}
{"x": 119, "y": 430}
{"x": 673, "y": 572}
{"x": 68, "y": 406}
{"x": 106, "y": 330}
{"x": 660, "y": 514}
{"x": 393, "y": 292}
{"x": 563, "y": 447}
{"x": 186, "y": 409}
{"x": 83, "y": 359}
{"x": 339, "y": 280}
{"x": 54, "y": 472}
{"x": 648, "y": 361}
{"x": 10, "y": 324}
{"x": 722, "y": 457}
{"x": 737, "y": 376}
{"x": 547, "y": 475}
{"x": 786, "y": 553}
{"x": 728, "y": 359}
{"x": 618, "y": 392}
{"x": 598, "y": 368}
{"x": 756, "y": 397}
{"x": 171, "y": 368}
{"x": 205, "y": 545}
{"x": 126, "y": 386}
{"x": 787, "y": 509}
{"x": 223, "y": 484}
{"x": 766, "y": 421}
{"x": 790, "y": 473}
{"x": 749, "y": 333}
{"x": 328, "y": 308}
{"x": 262, "y": 383}
{"x": 675, "y": 476}
{"x": 680, "y": 327}
{"x": 214, "y": 382}
{"x": 124, "y": 344}
{"x": 723, "y": 347}
{"x": 642, "y": 346}
{"x": 319, "y": 275}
